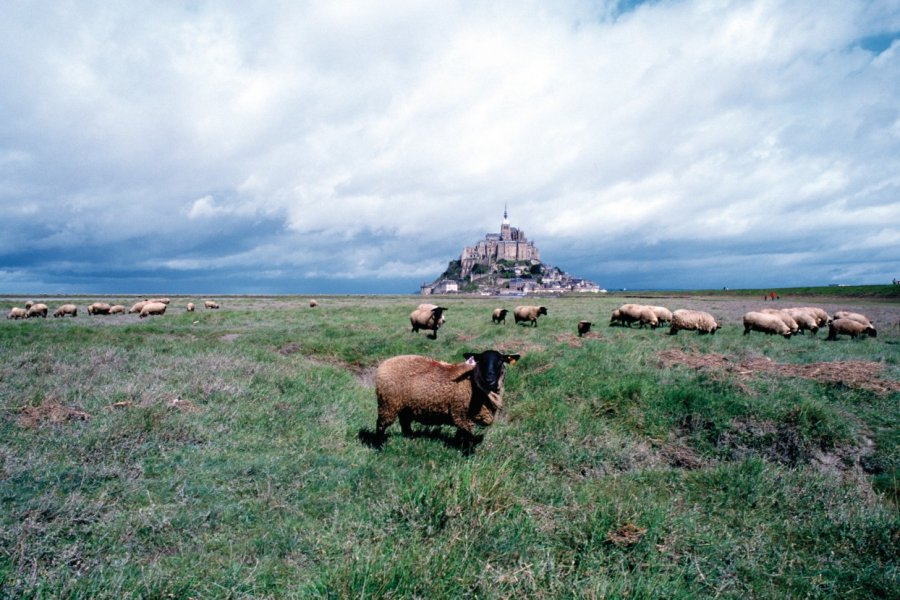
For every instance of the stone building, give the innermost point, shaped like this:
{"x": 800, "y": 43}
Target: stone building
{"x": 509, "y": 244}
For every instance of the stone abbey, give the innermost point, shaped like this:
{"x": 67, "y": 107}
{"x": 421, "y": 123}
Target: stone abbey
{"x": 509, "y": 244}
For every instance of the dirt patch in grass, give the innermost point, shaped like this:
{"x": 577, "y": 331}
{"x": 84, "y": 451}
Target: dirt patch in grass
{"x": 230, "y": 337}
{"x": 628, "y": 534}
{"x": 50, "y": 410}
{"x": 851, "y": 373}
{"x": 288, "y": 349}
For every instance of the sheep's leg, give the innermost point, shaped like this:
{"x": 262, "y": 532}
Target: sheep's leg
{"x": 406, "y": 423}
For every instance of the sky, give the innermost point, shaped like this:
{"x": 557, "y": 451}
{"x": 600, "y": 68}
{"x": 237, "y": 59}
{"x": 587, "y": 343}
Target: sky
{"x": 356, "y": 147}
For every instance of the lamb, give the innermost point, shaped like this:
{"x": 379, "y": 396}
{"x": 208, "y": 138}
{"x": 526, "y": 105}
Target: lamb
{"x": 529, "y": 314}
{"x": 153, "y": 308}
{"x": 806, "y": 320}
{"x": 583, "y": 327}
{"x": 66, "y": 309}
{"x": 117, "y": 309}
{"x": 784, "y": 316}
{"x": 210, "y": 305}
{"x": 137, "y": 306}
{"x": 417, "y": 388}
{"x": 693, "y": 320}
{"x": 853, "y": 316}
{"x": 499, "y": 315}
{"x": 427, "y": 318}
{"x": 17, "y": 313}
{"x": 37, "y": 310}
{"x": 190, "y": 307}
{"x": 98, "y": 308}
{"x": 631, "y": 313}
{"x": 766, "y": 322}
{"x": 849, "y": 327}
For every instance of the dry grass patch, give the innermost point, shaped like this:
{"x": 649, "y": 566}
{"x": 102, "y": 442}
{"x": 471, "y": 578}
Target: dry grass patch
{"x": 50, "y": 411}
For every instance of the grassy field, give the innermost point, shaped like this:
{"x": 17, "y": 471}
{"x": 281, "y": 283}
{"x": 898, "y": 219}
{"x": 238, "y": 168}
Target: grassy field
{"x": 221, "y": 454}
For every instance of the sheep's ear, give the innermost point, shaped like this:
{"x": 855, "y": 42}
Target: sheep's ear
{"x": 511, "y": 358}
{"x": 470, "y": 357}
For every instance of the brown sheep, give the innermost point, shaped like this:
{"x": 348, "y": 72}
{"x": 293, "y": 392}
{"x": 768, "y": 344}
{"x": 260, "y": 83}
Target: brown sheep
{"x": 766, "y": 322}
{"x": 117, "y": 309}
{"x": 417, "y": 388}
{"x": 693, "y": 320}
{"x": 313, "y": 303}
{"x": 66, "y": 309}
{"x": 190, "y": 307}
{"x": 98, "y": 308}
{"x": 427, "y": 318}
{"x": 17, "y": 313}
{"x": 153, "y": 308}
{"x": 849, "y": 327}
{"x": 211, "y": 305}
{"x": 583, "y": 327}
{"x": 853, "y": 316}
{"x": 528, "y": 314}
{"x": 37, "y": 310}
{"x": 499, "y": 315}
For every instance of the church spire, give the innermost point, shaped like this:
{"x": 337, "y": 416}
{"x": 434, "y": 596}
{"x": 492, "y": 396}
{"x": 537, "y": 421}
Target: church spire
{"x": 505, "y": 216}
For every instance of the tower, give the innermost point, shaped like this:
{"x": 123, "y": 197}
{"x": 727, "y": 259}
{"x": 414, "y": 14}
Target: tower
{"x": 504, "y": 226}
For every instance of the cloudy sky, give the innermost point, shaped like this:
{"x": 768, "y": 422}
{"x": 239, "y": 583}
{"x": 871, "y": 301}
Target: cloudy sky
{"x": 356, "y": 147}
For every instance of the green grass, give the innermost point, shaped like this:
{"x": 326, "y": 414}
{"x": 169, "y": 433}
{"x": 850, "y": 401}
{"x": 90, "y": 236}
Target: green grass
{"x": 234, "y": 467}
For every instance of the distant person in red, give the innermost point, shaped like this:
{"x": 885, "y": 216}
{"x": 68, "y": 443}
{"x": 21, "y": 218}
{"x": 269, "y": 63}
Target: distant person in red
{"x": 773, "y": 296}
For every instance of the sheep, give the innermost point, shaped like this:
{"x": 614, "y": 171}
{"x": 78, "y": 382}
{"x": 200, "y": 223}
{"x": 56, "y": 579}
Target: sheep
{"x": 784, "y": 316}
{"x": 98, "y": 308}
{"x": 427, "y": 318}
{"x": 849, "y": 327}
{"x": 417, "y": 388}
{"x": 806, "y": 320}
{"x": 766, "y": 322}
{"x": 583, "y": 327}
{"x": 210, "y": 305}
{"x": 37, "y": 310}
{"x": 821, "y": 316}
{"x": 499, "y": 315}
{"x": 313, "y": 303}
{"x": 529, "y": 314}
{"x": 663, "y": 314}
{"x": 137, "y": 306}
{"x": 162, "y": 300}
{"x": 693, "y": 320}
{"x": 17, "y": 313}
{"x": 630, "y": 313}
{"x": 66, "y": 309}
{"x": 29, "y": 304}
{"x": 117, "y": 309}
{"x": 853, "y": 316}
{"x": 153, "y": 308}
{"x": 190, "y": 307}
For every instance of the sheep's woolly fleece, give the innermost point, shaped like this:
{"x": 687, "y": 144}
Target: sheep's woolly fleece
{"x": 852, "y": 373}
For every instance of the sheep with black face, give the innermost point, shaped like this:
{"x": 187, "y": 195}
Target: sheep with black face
{"x": 417, "y": 388}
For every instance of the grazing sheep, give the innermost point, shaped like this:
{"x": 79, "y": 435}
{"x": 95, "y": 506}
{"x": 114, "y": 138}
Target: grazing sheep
{"x": 210, "y": 305}
{"x": 427, "y": 318}
{"x": 190, "y": 307}
{"x": 117, "y": 309}
{"x": 849, "y": 327}
{"x": 37, "y": 310}
{"x": 499, "y": 315}
{"x": 98, "y": 308}
{"x": 529, "y": 314}
{"x": 162, "y": 300}
{"x": 137, "y": 306}
{"x": 805, "y": 319}
{"x": 631, "y": 313}
{"x": 17, "y": 313}
{"x": 663, "y": 314}
{"x": 853, "y": 316}
{"x": 29, "y": 304}
{"x": 821, "y": 316}
{"x": 784, "y": 316}
{"x": 313, "y": 303}
{"x": 66, "y": 309}
{"x": 583, "y": 327}
{"x": 417, "y": 388}
{"x": 693, "y": 320}
{"x": 153, "y": 308}
{"x": 766, "y": 322}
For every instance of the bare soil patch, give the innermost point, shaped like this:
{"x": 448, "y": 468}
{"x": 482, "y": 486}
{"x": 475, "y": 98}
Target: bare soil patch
{"x": 50, "y": 410}
{"x": 852, "y": 373}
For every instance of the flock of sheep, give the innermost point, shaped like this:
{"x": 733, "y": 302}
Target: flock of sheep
{"x": 143, "y": 308}
{"x": 774, "y": 321}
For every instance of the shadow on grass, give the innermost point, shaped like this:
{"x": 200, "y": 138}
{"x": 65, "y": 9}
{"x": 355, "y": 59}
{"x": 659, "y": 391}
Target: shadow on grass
{"x": 462, "y": 442}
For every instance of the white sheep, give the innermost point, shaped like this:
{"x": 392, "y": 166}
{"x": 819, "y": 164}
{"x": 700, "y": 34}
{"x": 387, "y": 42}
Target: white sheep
{"x": 766, "y": 322}
{"x": 693, "y": 320}
{"x": 17, "y": 313}
{"x": 153, "y": 308}
{"x": 427, "y": 318}
{"x": 528, "y": 314}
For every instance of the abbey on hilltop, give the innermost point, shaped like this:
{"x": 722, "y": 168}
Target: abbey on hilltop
{"x": 504, "y": 263}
